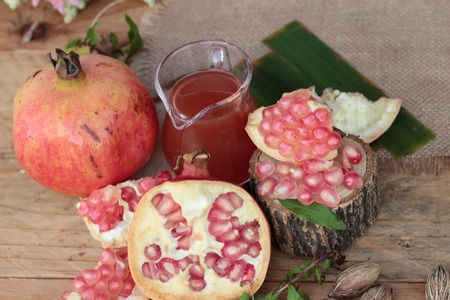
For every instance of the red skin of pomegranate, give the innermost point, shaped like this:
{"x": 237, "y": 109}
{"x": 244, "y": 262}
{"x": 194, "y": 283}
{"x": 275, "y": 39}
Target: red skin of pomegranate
{"x": 78, "y": 135}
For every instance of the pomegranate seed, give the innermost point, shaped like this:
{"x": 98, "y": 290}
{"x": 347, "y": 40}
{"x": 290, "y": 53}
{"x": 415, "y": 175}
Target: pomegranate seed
{"x": 264, "y": 126}
{"x": 276, "y": 112}
{"x": 65, "y": 295}
{"x": 91, "y": 276}
{"x": 197, "y": 284}
{"x": 353, "y": 180}
{"x": 304, "y": 195}
{"x": 324, "y": 116}
{"x": 235, "y": 199}
{"x": 303, "y": 132}
{"x": 249, "y": 233}
{"x": 101, "y": 286}
{"x": 152, "y": 252}
{"x": 237, "y": 270}
{"x": 352, "y": 153}
{"x": 307, "y": 144}
{"x": 314, "y": 181}
{"x": 300, "y": 109}
{"x": 107, "y": 271}
{"x": 167, "y": 205}
{"x": 222, "y": 266}
{"x": 249, "y": 274}
{"x": 267, "y": 112}
{"x": 110, "y": 195}
{"x": 310, "y": 121}
{"x": 95, "y": 198}
{"x": 196, "y": 271}
{"x": 173, "y": 218}
{"x": 301, "y": 156}
{"x": 278, "y": 127}
{"x": 184, "y": 263}
{"x": 218, "y": 229}
{"x": 223, "y": 201}
{"x": 195, "y": 259}
{"x": 321, "y": 133}
{"x": 113, "y": 212}
{"x": 333, "y": 176}
{"x": 232, "y": 235}
{"x": 254, "y": 249}
{"x": 132, "y": 205}
{"x": 184, "y": 242}
{"x": 285, "y": 188}
{"x": 96, "y": 215}
{"x": 266, "y": 186}
{"x": 163, "y": 177}
{"x": 285, "y": 103}
{"x": 314, "y": 165}
{"x": 334, "y": 140}
{"x": 321, "y": 150}
{"x": 88, "y": 294}
{"x": 150, "y": 270}
{"x": 272, "y": 140}
{"x": 121, "y": 272}
{"x": 79, "y": 284}
{"x": 235, "y": 223}
{"x": 290, "y": 120}
{"x": 168, "y": 265}
{"x": 232, "y": 251}
{"x": 108, "y": 256}
{"x": 128, "y": 286}
{"x": 211, "y": 258}
{"x": 157, "y": 199}
{"x": 145, "y": 184}
{"x": 83, "y": 208}
{"x": 296, "y": 173}
{"x": 218, "y": 214}
{"x": 285, "y": 149}
{"x": 328, "y": 197}
{"x": 290, "y": 135}
{"x": 115, "y": 285}
{"x": 128, "y": 193}
{"x": 302, "y": 94}
{"x": 264, "y": 168}
{"x": 282, "y": 169}
{"x": 181, "y": 229}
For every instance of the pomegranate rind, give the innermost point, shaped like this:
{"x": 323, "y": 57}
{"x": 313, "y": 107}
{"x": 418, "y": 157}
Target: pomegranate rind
{"x": 252, "y": 129}
{"x": 196, "y": 198}
{"x": 354, "y": 114}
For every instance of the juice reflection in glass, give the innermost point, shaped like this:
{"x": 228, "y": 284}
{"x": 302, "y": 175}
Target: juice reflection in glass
{"x": 204, "y": 87}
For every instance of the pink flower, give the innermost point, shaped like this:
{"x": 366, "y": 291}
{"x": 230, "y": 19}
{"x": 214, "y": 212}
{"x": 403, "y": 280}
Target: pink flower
{"x": 58, "y": 4}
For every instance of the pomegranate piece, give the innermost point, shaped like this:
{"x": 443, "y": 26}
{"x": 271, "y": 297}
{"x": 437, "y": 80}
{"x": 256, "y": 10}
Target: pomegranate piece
{"x": 107, "y": 212}
{"x": 295, "y": 129}
{"x": 220, "y": 239}
{"x": 108, "y": 280}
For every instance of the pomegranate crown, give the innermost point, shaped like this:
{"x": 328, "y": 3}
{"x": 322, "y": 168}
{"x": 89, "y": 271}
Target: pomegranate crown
{"x": 193, "y": 165}
{"x": 67, "y": 66}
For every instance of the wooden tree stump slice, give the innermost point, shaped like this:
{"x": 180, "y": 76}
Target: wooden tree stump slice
{"x": 358, "y": 210}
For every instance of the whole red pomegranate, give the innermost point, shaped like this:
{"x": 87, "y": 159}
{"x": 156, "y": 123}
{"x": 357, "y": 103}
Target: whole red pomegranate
{"x": 83, "y": 122}
{"x": 194, "y": 237}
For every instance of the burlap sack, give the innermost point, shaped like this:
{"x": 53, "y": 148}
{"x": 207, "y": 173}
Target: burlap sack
{"x": 402, "y": 46}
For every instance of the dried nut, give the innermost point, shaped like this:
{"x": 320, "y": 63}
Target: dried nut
{"x": 437, "y": 286}
{"x": 355, "y": 280}
{"x": 378, "y": 292}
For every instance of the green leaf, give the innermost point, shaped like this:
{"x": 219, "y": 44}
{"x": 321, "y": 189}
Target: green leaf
{"x": 244, "y": 296}
{"x": 74, "y": 43}
{"x": 293, "y": 294}
{"x": 315, "y": 213}
{"x": 318, "y": 275}
{"x": 114, "y": 39}
{"x": 92, "y": 37}
{"x": 135, "y": 41}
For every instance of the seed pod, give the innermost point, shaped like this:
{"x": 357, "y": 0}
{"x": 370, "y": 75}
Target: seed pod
{"x": 355, "y": 280}
{"x": 378, "y": 292}
{"x": 437, "y": 286}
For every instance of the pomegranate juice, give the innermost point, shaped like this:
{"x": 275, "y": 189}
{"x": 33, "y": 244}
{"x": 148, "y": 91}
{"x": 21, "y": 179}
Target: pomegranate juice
{"x": 220, "y": 131}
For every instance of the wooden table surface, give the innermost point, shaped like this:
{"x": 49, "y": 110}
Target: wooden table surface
{"x": 44, "y": 244}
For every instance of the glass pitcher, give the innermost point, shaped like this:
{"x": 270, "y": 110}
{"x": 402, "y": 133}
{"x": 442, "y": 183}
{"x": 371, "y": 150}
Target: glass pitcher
{"x": 204, "y": 87}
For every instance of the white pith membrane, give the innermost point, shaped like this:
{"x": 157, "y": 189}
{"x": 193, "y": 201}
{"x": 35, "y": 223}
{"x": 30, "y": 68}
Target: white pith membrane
{"x": 124, "y": 197}
{"x": 353, "y": 113}
{"x": 108, "y": 280}
{"x": 196, "y": 199}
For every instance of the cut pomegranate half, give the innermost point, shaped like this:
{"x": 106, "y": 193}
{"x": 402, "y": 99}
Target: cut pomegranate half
{"x": 218, "y": 246}
{"x": 108, "y": 212}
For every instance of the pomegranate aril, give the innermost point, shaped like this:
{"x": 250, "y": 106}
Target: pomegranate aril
{"x": 88, "y": 294}
{"x": 249, "y": 233}
{"x": 278, "y": 127}
{"x": 300, "y": 109}
{"x": 310, "y": 121}
{"x": 95, "y": 198}
{"x": 91, "y": 276}
{"x": 237, "y": 270}
{"x": 218, "y": 214}
{"x": 211, "y": 258}
{"x": 333, "y": 176}
{"x": 235, "y": 199}
{"x": 173, "y": 218}
{"x": 264, "y": 168}
{"x": 150, "y": 270}
{"x": 152, "y": 252}
{"x": 113, "y": 211}
{"x": 314, "y": 181}
{"x": 184, "y": 242}
{"x": 334, "y": 140}
{"x": 83, "y": 208}
{"x": 128, "y": 286}
{"x": 264, "y": 126}
{"x": 300, "y": 156}
{"x": 320, "y": 150}
{"x": 163, "y": 177}
{"x": 233, "y": 251}
{"x": 321, "y": 133}
{"x": 235, "y": 223}
{"x": 230, "y": 236}
{"x": 285, "y": 188}
{"x": 79, "y": 284}
{"x": 249, "y": 274}
{"x": 353, "y": 180}
{"x": 169, "y": 266}
{"x": 266, "y": 186}
{"x": 101, "y": 286}
{"x": 224, "y": 202}
{"x": 110, "y": 195}
{"x": 181, "y": 229}
{"x": 222, "y": 266}
{"x": 96, "y": 215}
{"x": 285, "y": 149}
{"x": 196, "y": 271}
{"x": 290, "y": 120}
{"x": 324, "y": 116}
{"x": 254, "y": 249}
{"x": 284, "y": 104}
{"x": 272, "y": 140}
{"x": 107, "y": 256}
{"x": 314, "y": 165}
{"x": 132, "y": 205}
{"x": 197, "y": 284}
{"x": 218, "y": 229}
{"x": 107, "y": 271}
{"x": 145, "y": 184}
{"x": 352, "y": 153}
{"x": 328, "y": 197}
{"x": 282, "y": 169}
{"x": 296, "y": 173}
{"x": 115, "y": 285}
{"x": 184, "y": 263}
{"x": 166, "y": 205}
{"x": 121, "y": 272}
